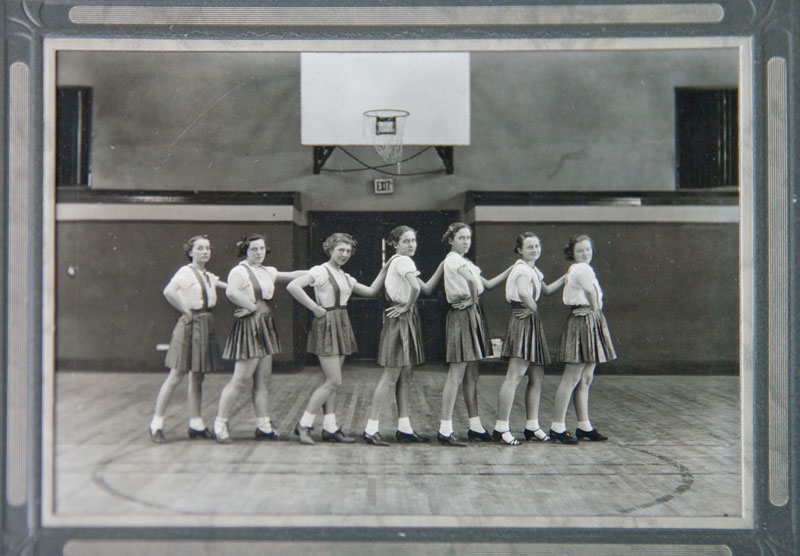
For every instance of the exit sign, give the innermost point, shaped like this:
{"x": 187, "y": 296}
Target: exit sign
{"x": 384, "y": 186}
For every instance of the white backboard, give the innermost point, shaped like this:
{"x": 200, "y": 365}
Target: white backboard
{"x": 336, "y": 89}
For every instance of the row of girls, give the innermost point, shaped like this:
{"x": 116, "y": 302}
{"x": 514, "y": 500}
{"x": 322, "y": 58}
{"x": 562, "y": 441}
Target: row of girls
{"x": 585, "y": 339}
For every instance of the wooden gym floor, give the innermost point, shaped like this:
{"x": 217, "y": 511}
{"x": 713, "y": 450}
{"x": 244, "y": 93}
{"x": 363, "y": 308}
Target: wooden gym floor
{"x": 674, "y": 452}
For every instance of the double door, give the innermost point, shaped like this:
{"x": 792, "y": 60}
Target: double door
{"x": 371, "y": 229}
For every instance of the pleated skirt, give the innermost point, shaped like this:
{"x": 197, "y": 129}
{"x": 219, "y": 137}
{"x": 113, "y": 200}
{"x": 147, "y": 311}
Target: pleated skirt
{"x": 194, "y": 345}
{"x": 401, "y": 341}
{"x": 467, "y": 335}
{"x": 332, "y": 334}
{"x": 253, "y": 336}
{"x": 525, "y": 339}
{"x": 586, "y": 339}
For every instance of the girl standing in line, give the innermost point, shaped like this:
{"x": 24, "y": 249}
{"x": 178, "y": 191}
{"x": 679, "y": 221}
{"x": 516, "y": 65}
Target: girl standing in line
{"x": 331, "y": 336}
{"x": 585, "y": 342}
{"x": 253, "y": 340}
{"x": 401, "y": 345}
{"x": 525, "y": 341}
{"x": 193, "y": 348}
{"x": 466, "y": 331}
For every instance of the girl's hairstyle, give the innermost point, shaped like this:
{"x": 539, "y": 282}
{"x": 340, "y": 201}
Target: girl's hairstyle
{"x": 339, "y": 237}
{"x": 569, "y": 250}
{"x": 521, "y": 241}
{"x": 244, "y": 244}
{"x": 189, "y": 245}
{"x": 453, "y": 229}
{"x": 397, "y": 233}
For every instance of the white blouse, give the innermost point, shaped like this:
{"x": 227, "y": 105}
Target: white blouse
{"x": 189, "y": 287}
{"x": 397, "y": 287}
{"x": 455, "y": 285}
{"x": 531, "y": 273}
{"x": 573, "y": 293}
{"x": 323, "y": 289}
{"x": 239, "y": 279}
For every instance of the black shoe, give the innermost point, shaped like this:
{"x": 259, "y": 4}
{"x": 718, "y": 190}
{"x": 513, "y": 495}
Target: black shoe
{"x": 337, "y": 436}
{"x": 531, "y": 436}
{"x": 203, "y": 434}
{"x": 374, "y": 439}
{"x": 261, "y": 435}
{"x": 592, "y": 435}
{"x": 449, "y": 440}
{"x": 304, "y": 433}
{"x": 410, "y": 438}
{"x": 562, "y": 437}
{"x": 158, "y": 436}
{"x": 475, "y": 436}
{"x": 497, "y": 436}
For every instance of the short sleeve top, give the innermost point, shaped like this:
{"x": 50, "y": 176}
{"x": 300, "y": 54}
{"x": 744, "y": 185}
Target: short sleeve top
{"x": 455, "y": 285}
{"x": 397, "y": 287}
{"x": 532, "y": 274}
{"x": 573, "y": 293}
{"x": 323, "y": 289}
{"x": 239, "y": 279}
{"x": 189, "y": 287}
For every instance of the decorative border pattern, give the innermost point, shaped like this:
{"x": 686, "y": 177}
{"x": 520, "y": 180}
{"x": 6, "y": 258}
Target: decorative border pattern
{"x": 19, "y": 309}
{"x": 268, "y": 548}
{"x": 778, "y": 331}
{"x": 394, "y": 16}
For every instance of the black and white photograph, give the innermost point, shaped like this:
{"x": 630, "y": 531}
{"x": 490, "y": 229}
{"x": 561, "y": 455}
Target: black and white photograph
{"x": 439, "y": 293}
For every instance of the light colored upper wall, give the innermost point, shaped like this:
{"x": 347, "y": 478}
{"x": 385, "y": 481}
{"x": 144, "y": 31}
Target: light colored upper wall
{"x": 543, "y": 121}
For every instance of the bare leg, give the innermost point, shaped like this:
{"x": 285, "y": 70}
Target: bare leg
{"x": 569, "y": 379}
{"x": 471, "y": 389}
{"x": 165, "y": 392}
{"x": 195, "y": 394}
{"x": 514, "y": 374}
{"x": 533, "y": 392}
{"x": 332, "y": 369}
{"x": 455, "y": 375}
{"x": 242, "y": 373}
{"x": 387, "y": 381}
{"x": 401, "y": 391}
{"x": 261, "y": 378}
{"x": 582, "y": 392}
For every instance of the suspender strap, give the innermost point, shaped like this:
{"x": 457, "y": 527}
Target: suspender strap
{"x": 336, "y": 291}
{"x": 254, "y": 281}
{"x": 200, "y": 278}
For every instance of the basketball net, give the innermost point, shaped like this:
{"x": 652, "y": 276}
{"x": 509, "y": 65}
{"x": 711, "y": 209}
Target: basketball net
{"x": 384, "y": 128}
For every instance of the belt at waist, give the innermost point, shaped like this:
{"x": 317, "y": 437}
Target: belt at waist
{"x": 201, "y": 311}
{"x": 335, "y": 307}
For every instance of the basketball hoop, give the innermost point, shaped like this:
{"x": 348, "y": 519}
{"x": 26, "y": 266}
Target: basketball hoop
{"x": 384, "y": 127}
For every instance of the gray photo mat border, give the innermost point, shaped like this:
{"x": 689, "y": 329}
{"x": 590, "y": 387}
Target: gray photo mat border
{"x": 29, "y": 213}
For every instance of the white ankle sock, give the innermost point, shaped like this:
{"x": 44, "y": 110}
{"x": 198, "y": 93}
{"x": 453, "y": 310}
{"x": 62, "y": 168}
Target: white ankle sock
{"x": 532, "y": 424}
{"x": 585, "y": 425}
{"x": 264, "y": 423}
{"x": 157, "y": 423}
{"x": 220, "y": 424}
{"x": 558, "y": 427}
{"x": 501, "y": 426}
{"x": 307, "y": 420}
{"x": 404, "y": 425}
{"x": 329, "y": 422}
{"x": 197, "y": 424}
{"x": 446, "y": 428}
{"x": 373, "y": 426}
{"x": 475, "y": 424}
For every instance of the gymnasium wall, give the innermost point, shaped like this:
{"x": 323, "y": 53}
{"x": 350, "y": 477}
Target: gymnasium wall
{"x": 577, "y": 121}
{"x": 597, "y": 122}
{"x": 110, "y": 311}
{"x": 670, "y": 292}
